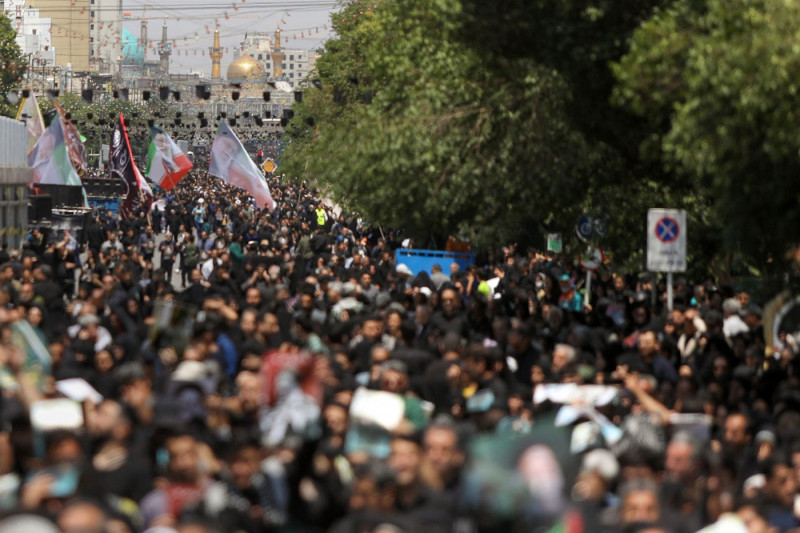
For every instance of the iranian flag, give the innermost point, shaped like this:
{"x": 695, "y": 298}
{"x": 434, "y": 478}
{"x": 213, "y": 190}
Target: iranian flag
{"x": 166, "y": 163}
{"x": 145, "y": 187}
{"x": 231, "y": 163}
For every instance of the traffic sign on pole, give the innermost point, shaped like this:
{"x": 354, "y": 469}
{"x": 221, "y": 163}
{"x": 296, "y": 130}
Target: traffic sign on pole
{"x": 554, "y": 243}
{"x": 592, "y": 258}
{"x": 585, "y": 227}
{"x": 591, "y": 227}
{"x": 666, "y": 240}
{"x": 269, "y": 166}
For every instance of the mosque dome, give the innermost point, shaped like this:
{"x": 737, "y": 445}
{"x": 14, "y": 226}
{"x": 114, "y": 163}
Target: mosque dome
{"x": 246, "y": 68}
{"x": 132, "y": 53}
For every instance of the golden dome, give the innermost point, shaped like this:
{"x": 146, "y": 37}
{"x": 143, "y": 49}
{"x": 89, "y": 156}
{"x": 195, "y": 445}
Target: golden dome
{"x": 246, "y": 68}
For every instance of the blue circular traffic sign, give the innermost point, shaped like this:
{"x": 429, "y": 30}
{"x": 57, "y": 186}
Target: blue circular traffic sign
{"x": 667, "y": 229}
{"x": 585, "y": 226}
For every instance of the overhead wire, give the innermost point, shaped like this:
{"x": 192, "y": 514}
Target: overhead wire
{"x": 195, "y": 38}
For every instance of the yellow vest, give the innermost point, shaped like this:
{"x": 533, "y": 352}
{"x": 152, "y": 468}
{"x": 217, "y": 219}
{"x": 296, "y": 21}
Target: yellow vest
{"x": 320, "y": 216}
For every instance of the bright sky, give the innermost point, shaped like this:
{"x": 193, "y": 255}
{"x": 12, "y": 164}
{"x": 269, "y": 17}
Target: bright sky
{"x": 191, "y": 25}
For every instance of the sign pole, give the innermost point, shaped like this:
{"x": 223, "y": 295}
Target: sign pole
{"x": 666, "y": 244}
{"x": 588, "y": 289}
{"x": 653, "y": 291}
{"x": 669, "y": 291}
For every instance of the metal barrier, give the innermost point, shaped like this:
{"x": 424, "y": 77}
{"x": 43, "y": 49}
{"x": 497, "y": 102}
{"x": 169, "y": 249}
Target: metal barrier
{"x": 13, "y": 143}
{"x": 13, "y": 213}
{"x": 15, "y": 175}
{"x": 419, "y": 260}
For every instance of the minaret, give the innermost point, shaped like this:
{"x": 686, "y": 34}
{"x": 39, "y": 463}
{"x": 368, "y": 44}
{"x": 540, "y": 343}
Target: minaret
{"x": 143, "y": 38}
{"x": 164, "y": 50}
{"x": 216, "y": 55}
{"x": 277, "y": 57}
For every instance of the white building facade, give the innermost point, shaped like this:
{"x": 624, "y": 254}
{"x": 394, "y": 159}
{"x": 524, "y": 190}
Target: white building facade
{"x": 33, "y": 34}
{"x": 297, "y": 63}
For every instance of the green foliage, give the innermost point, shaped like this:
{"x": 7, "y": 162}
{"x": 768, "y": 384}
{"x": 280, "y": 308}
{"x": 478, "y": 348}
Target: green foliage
{"x": 577, "y": 38}
{"x": 13, "y": 65}
{"x": 718, "y": 84}
{"x": 446, "y": 145}
{"x": 510, "y": 118}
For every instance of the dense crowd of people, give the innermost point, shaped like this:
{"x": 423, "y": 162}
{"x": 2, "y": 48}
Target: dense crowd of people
{"x": 211, "y": 367}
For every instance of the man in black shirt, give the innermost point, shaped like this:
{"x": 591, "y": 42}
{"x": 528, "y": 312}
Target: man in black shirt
{"x": 167, "y": 249}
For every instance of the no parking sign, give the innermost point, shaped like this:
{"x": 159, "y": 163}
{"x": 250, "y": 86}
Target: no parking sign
{"x": 666, "y": 240}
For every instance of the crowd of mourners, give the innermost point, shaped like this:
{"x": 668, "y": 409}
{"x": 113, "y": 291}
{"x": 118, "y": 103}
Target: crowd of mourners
{"x": 213, "y": 368}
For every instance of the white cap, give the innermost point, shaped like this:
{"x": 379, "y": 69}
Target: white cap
{"x": 190, "y": 371}
{"x": 603, "y": 462}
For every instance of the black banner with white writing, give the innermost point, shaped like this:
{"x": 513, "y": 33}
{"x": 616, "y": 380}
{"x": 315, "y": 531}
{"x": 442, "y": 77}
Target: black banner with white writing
{"x": 135, "y": 197}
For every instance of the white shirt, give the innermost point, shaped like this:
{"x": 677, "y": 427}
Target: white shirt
{"x": 734, "y": 325}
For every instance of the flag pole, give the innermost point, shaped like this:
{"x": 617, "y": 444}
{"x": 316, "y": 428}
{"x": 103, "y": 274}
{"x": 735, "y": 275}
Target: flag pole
{"x": 147, "y": 213}
{"x": 136, "y": 168}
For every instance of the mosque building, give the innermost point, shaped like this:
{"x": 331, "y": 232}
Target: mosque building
{"x": 134, "y": 62}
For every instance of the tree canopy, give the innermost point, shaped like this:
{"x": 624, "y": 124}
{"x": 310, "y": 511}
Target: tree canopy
{"x": 13, "y": 64}
{"x": 508, "y": 119}
{"x": 717, "y": 83}
{"x": 412, "y": 129}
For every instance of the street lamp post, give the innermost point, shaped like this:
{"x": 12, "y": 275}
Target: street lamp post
{"x": 37, "y": 62}
{"x": 56, "y": 72}
{"x": 31, "y": 60}
{"x": 67, "y": 75}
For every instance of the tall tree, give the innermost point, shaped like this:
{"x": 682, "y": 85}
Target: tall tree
{"x": 13, "y": 65}
{"x": 718, "y": 83}
{"x": 579, "y": 39}
{"x": 413, "y": 130}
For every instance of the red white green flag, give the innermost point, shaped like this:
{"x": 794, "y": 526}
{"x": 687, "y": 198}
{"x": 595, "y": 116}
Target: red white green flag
{"x": 232, "y": 164}
{"x": 166, "y": 163}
